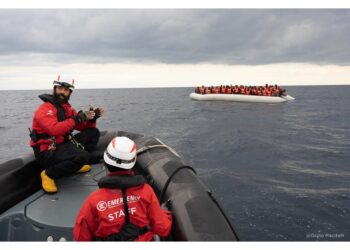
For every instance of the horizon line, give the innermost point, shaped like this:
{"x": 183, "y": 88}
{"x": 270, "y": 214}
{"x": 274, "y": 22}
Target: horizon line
{"x": 155, "y": 87}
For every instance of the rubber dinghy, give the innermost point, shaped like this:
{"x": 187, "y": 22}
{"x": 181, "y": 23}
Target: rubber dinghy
{"x": 241, "y": 98}
{"x": 29, "y": 214}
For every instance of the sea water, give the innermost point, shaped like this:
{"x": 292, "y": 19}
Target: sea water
{"x": 280, "y": 171}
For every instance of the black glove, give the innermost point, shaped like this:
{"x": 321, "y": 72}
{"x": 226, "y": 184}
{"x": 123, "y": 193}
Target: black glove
{"x": 97, "y": 115}
{"x": 80, "y": 117}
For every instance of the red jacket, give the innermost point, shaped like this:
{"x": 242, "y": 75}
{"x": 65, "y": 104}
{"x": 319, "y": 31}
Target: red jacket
{"x": 102, "y": 214}
{"x": 46, "y": 121}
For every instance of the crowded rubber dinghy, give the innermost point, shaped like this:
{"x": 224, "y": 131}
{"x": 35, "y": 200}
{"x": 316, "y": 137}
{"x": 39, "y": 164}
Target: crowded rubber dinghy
{"x": 264, "y": 93}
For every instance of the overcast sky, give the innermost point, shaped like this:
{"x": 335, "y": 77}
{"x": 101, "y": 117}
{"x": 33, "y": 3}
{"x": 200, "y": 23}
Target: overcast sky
{"x": 124, "y": 48}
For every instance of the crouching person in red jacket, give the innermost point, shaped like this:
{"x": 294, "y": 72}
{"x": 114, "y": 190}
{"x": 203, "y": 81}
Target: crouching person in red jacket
{"x": 56, "y": 149}
{"x": 125, "y": 208}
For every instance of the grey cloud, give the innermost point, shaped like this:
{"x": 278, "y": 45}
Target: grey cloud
{"x": 230, "y": 36}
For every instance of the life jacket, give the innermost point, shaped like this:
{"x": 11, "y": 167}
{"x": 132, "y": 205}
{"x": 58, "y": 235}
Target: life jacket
{"x": 207, "y": 91}
{"x": 223, "y": 90}
{"x": 61, "y": 115}
{"x": 229, "y": 91}
{"x": 129, "y": 231}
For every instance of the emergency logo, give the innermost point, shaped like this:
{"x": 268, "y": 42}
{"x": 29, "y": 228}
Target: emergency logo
{"x": 101, "y": 206}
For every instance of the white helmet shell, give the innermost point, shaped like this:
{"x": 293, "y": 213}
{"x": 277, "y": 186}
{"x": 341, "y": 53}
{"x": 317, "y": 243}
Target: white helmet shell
{"x": 121, "y": 153}
{"x": 65, "y": 81}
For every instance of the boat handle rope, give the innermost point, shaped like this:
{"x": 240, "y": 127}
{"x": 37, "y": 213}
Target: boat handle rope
{"x": 145, "y": 148}
{"x": 162, "y": 194}
{"x": 162, "y": 145}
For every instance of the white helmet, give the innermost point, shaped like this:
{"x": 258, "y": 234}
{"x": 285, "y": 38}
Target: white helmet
{"x": 121, "y": 153}
{"x": 65, "y": 81}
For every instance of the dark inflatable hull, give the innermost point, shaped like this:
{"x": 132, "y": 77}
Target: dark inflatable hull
{"x": 27, "y": 213}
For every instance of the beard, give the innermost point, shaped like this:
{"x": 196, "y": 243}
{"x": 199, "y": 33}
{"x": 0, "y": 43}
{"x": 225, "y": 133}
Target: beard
{"x": 61, "y": 98}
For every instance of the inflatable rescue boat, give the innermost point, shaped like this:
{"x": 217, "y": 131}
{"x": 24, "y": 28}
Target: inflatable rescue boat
{"x": 241, "y": 98}
{"x": 29, "y": 214}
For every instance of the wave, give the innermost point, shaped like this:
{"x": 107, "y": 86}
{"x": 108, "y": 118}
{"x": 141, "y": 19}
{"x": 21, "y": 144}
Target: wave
{"x": 293, "y": 166}
{"x": 246, "y": 178}
{"x": 313, "y": 191}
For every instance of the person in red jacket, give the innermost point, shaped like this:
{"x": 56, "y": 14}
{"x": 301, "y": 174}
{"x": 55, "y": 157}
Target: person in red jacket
{"x": 125, "y": 208}
{"x": 56, "y": 150}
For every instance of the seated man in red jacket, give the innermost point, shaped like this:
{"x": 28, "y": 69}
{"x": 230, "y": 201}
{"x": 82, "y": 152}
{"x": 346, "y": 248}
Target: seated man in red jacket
{"x": 125, "y": 208}
{"x": 55, "y": 148}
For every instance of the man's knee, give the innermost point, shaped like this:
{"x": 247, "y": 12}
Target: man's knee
{"x": 95, "y": 133}
{"x": 92, "y": 132}
{"x": 91, "y": 135}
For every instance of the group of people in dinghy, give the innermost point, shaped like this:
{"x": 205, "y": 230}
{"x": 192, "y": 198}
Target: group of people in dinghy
{"x": 267, "y": 90}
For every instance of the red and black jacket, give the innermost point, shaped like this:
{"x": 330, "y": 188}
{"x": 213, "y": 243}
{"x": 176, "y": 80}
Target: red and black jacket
{"x": 56, "y": 122}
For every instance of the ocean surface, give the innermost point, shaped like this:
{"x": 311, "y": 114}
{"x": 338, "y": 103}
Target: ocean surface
{"x": 280, "y": 171}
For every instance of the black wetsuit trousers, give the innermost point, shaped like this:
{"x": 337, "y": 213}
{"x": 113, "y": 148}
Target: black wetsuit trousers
{"x": 67, "y": 158}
